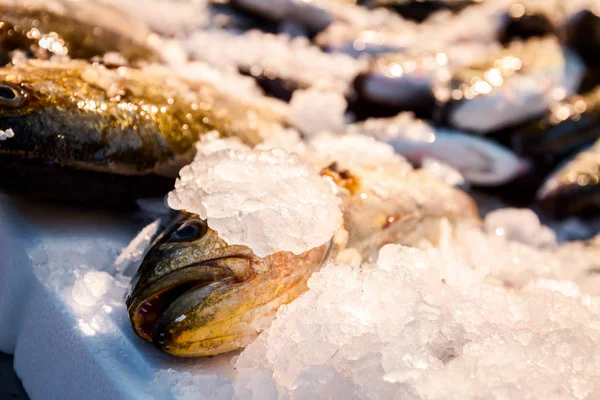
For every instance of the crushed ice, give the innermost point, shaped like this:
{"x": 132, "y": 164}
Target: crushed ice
{"x": 268, "y": 200}
{"x": 422, "y": 324}
{"x": 506, "y": 311}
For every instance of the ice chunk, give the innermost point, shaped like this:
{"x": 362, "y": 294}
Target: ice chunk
{"x": 445, "y": 172}
{"x": 269, "y": 200}
{"x": 313, "y": 111}
{"x": 90, "y": 287}
{"x": 521, "y": 225}
{"x": 133, "y": 253}
{"x": 57, "y": 262}
{"x": 212, "y": 143}
{"x": 293, "y": 60}
{"x": 353, "y": 149}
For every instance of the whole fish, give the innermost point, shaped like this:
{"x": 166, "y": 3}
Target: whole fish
{"x": 510, "y": 87}
{"x": 480, "y": 160}
{"x": 78, "y": 32}
{"x": 405, "y": 81}
{"x": 80, "y": 131}
{"x": 574, "y": 188}
{"x": 195, "y": 295}
{"x": 567, "y": 127}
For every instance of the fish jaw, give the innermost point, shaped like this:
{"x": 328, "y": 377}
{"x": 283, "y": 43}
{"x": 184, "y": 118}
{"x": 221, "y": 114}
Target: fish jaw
{"x": 204, "y": 297}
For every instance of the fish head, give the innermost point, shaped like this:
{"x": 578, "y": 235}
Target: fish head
{"x": 38, "y": 102}
{"x": 16, "y": 102}
{"x": 196, "y": 295}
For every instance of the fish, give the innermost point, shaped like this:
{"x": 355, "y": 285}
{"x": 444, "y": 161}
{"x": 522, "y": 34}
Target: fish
{"x": 508, "y": 88}
{"x": 195, "y": 295}
{"x": 78, "y": 32}
{"x": 388, "y": 87}
{"x": 80, "y": 131}
{"x": 480, "y": 160}
{"x": 573, "y": 189}
{"x": 583, "y": 35}
{"x": 404, "y": 81}
{"x": 527, "y": 19}
{"x": 569, "y": 126}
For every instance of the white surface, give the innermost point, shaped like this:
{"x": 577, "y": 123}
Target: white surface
{"x": 63, "y": 349}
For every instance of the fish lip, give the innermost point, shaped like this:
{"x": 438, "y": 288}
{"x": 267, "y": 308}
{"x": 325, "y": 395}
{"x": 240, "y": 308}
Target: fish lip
{"x": 174, "y": 313}
{"x": 178, "y": 271}
{"x": 139, "y": 297}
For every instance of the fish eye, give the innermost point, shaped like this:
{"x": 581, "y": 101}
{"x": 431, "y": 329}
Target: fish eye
{"x": 10, "y": 96}
{"x": 188, "y": 231}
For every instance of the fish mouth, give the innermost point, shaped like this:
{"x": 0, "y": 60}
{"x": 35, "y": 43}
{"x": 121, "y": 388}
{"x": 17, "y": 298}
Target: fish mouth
{"x": 169, "y": 298}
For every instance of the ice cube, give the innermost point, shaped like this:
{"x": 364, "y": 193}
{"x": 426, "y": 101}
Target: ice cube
{"x": 314, "y": 111}
{"x": 90, "y": 287}
{"x": 521, "y": 225}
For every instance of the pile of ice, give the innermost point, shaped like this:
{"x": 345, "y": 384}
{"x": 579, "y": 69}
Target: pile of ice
{"x": 420, "y": 324}
{"x": 268, "y": 200}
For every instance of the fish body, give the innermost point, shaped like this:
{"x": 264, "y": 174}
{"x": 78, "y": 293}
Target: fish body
{"x": 42, "y": 33}
{"x": 126, "y": 123}
{"x": 508, "y": 88}
{"x": 389, "y": 87}
{"x": 526, "y": 19}
{"x": 574, "y": 188}
{"x": 195, "y": 295}
{"x": 566, "y": 128}
{"x": 405, "y": 81}
{"x": 420, "y": 10}
{"x": 480, "y": 160}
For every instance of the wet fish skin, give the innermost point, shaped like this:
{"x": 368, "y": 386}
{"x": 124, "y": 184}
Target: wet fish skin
{"x": 566, "y": 128}
{"x": 574, "y": 188}
{"x": 508, "y": 88}
{"x": 42, "y": 33}
{"x": 412, "y": 94}
{"x": 526, "y": 26}
{"x": 195, "y": 295}
{"x": 123, "y": 122}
